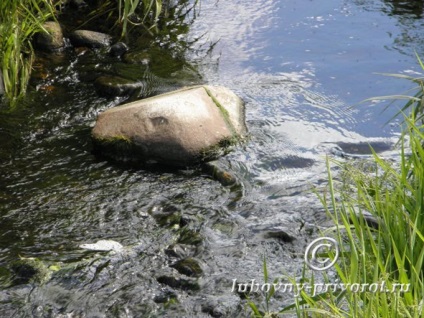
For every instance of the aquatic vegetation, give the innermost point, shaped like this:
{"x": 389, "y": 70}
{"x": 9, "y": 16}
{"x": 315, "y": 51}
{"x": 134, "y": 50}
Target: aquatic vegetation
{"x": 151, "y": 10}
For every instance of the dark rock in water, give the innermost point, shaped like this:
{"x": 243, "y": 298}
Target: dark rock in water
{"x": 222, "y": 306}
{"x": 189, "y": 267}
{"x": 371, "y": 220}
{"x": 280, "y": 235}
{"x": 179, "y": 128}
{"x": 52, "y": 41}
{"x": 165, "y": 296}
{"x": 90, "y": 39}
{"x": 271, "y": 163}
{"x": 116, "y": 86}
{"x": 118, "y": 49}
{"x": 168, "y": 216}
{"x": 365, "y": 148}
{"x": 180, "y": 250}
{"x": 180, "y": 283}
{"x": 189, "y": 236}
{"x": 78, "y": 4}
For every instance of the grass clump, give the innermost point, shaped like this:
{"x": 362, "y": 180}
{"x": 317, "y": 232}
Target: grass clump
{"x": 20, "y": 20}
{"x": 414, "y": 103}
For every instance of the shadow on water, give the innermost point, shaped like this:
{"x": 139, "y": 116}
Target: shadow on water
{"x": 186, "y": 237}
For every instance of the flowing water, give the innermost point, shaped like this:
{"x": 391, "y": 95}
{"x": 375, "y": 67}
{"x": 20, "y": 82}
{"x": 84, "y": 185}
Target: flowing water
{"x": 302, "y": 68}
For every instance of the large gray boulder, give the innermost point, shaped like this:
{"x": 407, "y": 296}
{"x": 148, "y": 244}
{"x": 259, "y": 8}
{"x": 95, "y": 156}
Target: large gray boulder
{"x": 179, "y": 128}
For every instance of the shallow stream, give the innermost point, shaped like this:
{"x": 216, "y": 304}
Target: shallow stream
{"x": 302, "y": 68}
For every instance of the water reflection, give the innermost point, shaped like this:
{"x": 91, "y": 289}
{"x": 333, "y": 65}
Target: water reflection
{"x": 406, "y": 9}
{"x": 409, "y": 16}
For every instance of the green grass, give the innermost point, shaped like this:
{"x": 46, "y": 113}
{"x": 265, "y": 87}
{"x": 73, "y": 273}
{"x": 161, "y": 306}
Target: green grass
{"x": 151, "y": 10}
{"x": 414, "y": 97}
{"x": 20, "y": 20}
{"x": 145, "y": 14}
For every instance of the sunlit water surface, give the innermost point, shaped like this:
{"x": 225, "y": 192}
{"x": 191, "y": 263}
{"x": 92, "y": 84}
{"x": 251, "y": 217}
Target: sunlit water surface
{"x": 302, "y": 68}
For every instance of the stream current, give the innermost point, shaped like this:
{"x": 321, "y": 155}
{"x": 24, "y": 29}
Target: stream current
{"x": 302, "y": 68}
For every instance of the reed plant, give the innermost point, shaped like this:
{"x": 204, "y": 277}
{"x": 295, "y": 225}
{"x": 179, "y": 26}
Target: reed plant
{"x": 389, "y": 252}
{"x": 20, "y": 20}
{"x": 414, "y": 97}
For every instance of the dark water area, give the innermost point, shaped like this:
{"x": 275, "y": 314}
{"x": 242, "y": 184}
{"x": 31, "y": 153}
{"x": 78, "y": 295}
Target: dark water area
{"x": 302, "y": 68}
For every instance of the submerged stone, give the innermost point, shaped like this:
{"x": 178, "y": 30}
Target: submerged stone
{"x": 189, "y": 267}
{"x": 280, "y": 235}
{"x": 179, "y": 128}
{"x": 189, "y": 237}
{"x": 217, "y": 171}
{"x": 180, "y": 283}
{"x": 78, "y": 4}
{"x": 30, "y": 270}
{"x": 118, "y": 49}
{"x": 90, "y": 39}
{"x": 142, "y": 57}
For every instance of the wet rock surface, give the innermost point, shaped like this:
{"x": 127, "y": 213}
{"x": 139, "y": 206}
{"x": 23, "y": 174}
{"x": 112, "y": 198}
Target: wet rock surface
{"x": 178, "y": 128}
{"x": 118, "y": 49}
